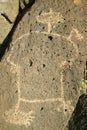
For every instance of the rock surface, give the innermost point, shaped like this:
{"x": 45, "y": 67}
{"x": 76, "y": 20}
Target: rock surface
{"x": 9, "y": 10}
{"x": 40, "y": 76}
{"x": 78, "y": 120}
{"x": 8, "y": 13}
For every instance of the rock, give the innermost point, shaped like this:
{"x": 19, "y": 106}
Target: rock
{"x": 78, "y": 120}
{"x": 9, "y": 9}
{"x": 8, "y": 12}
{"x": 23, "y": 3}
{"x": 80, "y": 2}
{"x": 41, "y": 74}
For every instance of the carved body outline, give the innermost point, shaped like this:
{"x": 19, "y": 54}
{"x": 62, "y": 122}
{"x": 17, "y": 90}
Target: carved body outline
{"x": 15, "y": 67}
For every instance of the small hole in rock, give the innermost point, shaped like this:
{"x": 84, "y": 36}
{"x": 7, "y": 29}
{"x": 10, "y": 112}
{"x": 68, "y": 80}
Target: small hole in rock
{"x": 41, "y": 108}
{"x": 58, "y": 54}
{"x": 53, "y": 78}
{"x": 38, "y": 70}
{"x": 65, "y": 26}
{"x": 43, "y": 27}
{"x": 30, "y": 63}
{"x": 16, "y": 91}
{"x": 50, "y": 37}
{"x": 63, "y": 47}
{"x": 44, "y": 65}
{"x": 30, "y": 30}
{"x": 65, "y": 110}
{"x": 69, "y": 61}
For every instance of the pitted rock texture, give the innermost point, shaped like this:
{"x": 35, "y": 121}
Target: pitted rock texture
{"x": 41, "y": 73}
{"x": 8, "y": 12}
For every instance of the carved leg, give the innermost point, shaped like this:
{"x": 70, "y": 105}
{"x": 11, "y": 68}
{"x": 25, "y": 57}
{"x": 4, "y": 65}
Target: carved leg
{"x": 18, "y": 117}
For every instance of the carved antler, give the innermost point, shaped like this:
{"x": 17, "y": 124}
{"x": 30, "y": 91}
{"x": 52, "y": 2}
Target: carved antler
{"x": 76, "y": 33}
{"x": 50, "y": 17}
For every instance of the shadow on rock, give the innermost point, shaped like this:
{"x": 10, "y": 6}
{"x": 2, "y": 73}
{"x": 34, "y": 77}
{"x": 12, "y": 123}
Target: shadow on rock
{"x": 6, "y": 43}
{"x": 78, "y": 120}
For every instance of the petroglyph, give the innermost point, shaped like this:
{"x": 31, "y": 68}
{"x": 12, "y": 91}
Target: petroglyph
{"x": 50, "y": 18}
{"x": 15, "y": 115}
{"x": 18, "y": 117}
{"x": 77, "y": 2}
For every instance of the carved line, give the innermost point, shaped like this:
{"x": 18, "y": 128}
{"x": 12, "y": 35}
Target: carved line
{"x": 41, "y": 100}
{"x": 17, "y": 68}
{"x": 58, "y": 17}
